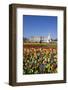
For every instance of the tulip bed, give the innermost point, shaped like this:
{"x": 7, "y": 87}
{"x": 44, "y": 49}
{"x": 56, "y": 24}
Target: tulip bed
{"x": 39, "y": 60}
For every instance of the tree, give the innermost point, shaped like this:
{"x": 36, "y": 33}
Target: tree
{"x": 25, "y": 39}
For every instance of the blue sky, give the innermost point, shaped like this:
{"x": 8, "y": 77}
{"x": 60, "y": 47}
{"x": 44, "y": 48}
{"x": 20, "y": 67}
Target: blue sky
{"x": 40, "y": 26}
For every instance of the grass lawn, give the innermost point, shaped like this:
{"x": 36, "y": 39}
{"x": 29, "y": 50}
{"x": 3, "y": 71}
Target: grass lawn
{"x": 49, "y": 45}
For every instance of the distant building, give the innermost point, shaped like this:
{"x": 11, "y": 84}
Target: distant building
{"x": 40, "y": 38}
